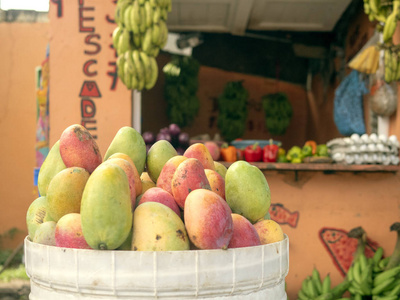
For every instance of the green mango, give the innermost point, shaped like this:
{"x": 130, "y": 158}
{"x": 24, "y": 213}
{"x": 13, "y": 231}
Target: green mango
{"x": 52, "y": 165}
{"x": 247, "y": 191}
{"x": 106, "y": 208}
{"x": 36, "y": 215}
{"x": 158, "y": 155}
{"x": 130, "y": 142}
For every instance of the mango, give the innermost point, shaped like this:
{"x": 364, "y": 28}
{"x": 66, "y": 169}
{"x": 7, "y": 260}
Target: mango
{"x": 45, "y": 234}
{"x": 214, "y": 149}
{"x": 159, "y": 153}
{"x": 145, "y": 177}
{"x": 52, "y": 164}
{"x": 167, "y": 172}
{"x": 159, "y": 195}
{"x": 217, "y": 183}
{"x": 200, "y": 152}
{"x": 269, "y": 231}
{"x": 244, "y": 233}
{"x": 106, "y": 208}
{"x": 208, "y": 220}
{"x": 65, "y": 192}
{"x": 78, "y": 148}
{"x": 189, "y": 176}
{"x": 129, "y": 141}
{"x": 130, "y": 173}
{"x": 36, "y": 215}
{"x": 156, "y": 227}
{"x": 68, "y": 232}
{"x": 138, "y": 182}
{"x": 220, "y": 168}
{"x": 247, "y": 191}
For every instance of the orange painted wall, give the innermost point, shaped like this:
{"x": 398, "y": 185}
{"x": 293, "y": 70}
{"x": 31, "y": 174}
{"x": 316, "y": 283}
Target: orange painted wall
{"x": 23, "y": 48}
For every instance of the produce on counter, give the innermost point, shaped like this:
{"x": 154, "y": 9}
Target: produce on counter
{"x": 270, "y": 152}
{"x": 294, "y": 155}
{"x": 253, "y": 153}
{"x": 190, "y": 204}
{"x": 228, "y": 153}
{"x": 138, "y": 38}
{"x": 232, "y": 107}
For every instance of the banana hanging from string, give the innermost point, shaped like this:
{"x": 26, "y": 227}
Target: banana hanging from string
{"x": 138, "y": 38}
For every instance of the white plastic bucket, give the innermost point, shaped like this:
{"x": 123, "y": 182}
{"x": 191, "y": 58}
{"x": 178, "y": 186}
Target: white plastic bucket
{"x": 243, "y": 273}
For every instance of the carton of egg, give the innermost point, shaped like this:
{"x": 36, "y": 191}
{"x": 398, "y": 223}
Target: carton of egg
{"x": 365, "y": 149}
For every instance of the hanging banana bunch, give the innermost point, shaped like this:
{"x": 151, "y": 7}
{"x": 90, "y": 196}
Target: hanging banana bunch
{"x": 387, "y": 14}
{"x": 141, "y": 33}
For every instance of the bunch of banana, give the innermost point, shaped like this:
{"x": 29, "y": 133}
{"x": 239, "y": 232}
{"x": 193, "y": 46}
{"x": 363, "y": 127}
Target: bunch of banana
{"x": 313, "y": 288}
{"x": 142, "y": 30}
{"x": 391, "y": 21}
{"x": 137, "y": 70}
{"x": 360, "y": 277}
{"x": 367, "y": 61}
{"x": 392, "y": 64}
{"x": 376, "y": 10}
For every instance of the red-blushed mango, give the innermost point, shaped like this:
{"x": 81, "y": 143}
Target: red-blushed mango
{"x": 45, "y": 234}
{"x": 68, "y": 233}
{"x": 52, "y": 164}
{"x": 65, "y": 191}
{"x": 129, "y": 141}
{"x": 159, "y": 153}
{"x": 201, "y": 153}
{"x": 217, "y": 183}
{"x": 106, "y": 208}
{"x": 214, "y": 150}
{"x": 189, "y": 176}
{"x": 159, "y": 195}
{"x": 36, "y": 215}
{"x": 78, "y": 148}
{"x": 269, "y": 231}
{"x": 167, "y": 172}
{"x": 130, "y": 173}
{"x": 244, "y": 233}
{"x": 220, "y": 168}
{"x": 208, "y": 220}
{"x": 156, "y": 227}
{"x": 138, "y": 182}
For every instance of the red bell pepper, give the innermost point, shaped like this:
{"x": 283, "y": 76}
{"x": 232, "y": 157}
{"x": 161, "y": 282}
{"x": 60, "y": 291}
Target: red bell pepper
{"x": 253, "y": 153}
{"x": 270, "y": 152}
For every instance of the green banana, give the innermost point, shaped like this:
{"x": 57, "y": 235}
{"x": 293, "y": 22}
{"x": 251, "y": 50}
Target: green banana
{"x": 395, "y": 290}
{"x": 153, "y": 3}
{"x": 154, "y": 73}
{"x": 391, "y": 22}
{"x": 141, "y": 2}
{"x": 395, "y": 257}
{"x": 163, "y": 34}
{"x": 156, "y": 15}
{"x": 155, "y": 34}
{"x": 136, "y": 13}
{"x": 142, "y": 14}
{"x": 120, "y": 68}
{"x": 146, "y": 43}
{"x": 127, "y": 76}
{"x": 316, "y": 278}
{"x": 377, "y": 256}
{"x": 311, "y": 288}
{"x": 378, "y": 289}
{"x": 115, "y": 36}
{"x": 137, "y": 40}
{"x": 147, "y": 66}
{"x": 169, "y": 5}
{"x": 139, "y": 68}
{"x": 120, "y": 12}
{"x": 301, "y": 295}
{"x": 385, "y": 275}
{"x": 388, "y": 67}
{"x": 124, "y": 43}
{"x": 127, "y": 18}
{"x": 326, "y": 284}
{"x": 149, "y": 14}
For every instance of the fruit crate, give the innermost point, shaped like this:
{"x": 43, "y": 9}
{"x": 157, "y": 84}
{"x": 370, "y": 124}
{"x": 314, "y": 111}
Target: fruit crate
{"x": 241, "y": 273}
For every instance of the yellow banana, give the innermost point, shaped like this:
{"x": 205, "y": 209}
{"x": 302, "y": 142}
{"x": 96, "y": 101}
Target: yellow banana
{"x": 127, "y": 76}
{"x": 153, "y": 3}
{"x": 141, "y": 2}
{"x": 134, "y": 19}
{"x": 154, "y": 73}
{"x": 127, "y": 18}
{"x": 149, "y": 14}
{"x": 120, "y": 11}
{"x": 136, "y": 13}
{"x": 156, "y": 15}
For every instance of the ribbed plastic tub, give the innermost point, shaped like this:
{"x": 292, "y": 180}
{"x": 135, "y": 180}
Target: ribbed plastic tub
{"x": 243, "y": 273}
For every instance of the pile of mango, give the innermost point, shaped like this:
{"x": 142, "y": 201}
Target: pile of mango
{"x": 130, "y": 199}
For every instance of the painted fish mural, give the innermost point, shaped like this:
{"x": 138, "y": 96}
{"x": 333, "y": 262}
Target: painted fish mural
{"x": 282, "y": 215}
{"x": 341, "y": 247}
